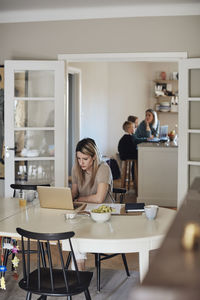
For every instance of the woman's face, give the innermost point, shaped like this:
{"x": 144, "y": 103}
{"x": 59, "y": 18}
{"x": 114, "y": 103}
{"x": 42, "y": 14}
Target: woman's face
{"x": 149, "y": 117}
{"x": 85, "y": 161}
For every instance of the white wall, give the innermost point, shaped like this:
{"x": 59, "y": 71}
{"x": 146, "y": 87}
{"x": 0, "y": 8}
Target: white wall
{"x": 45, "y": 40}
{"x": 128, "y": 95}
{"x": 111, "y": 92}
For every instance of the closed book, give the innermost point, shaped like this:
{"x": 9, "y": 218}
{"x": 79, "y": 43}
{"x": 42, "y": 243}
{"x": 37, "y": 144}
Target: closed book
{"x": 134, "y": 207}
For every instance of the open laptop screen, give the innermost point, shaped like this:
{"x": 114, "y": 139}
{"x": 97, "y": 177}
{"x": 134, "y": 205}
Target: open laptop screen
{"x": 163, "y": 133}
{"x": 56, "y": 197}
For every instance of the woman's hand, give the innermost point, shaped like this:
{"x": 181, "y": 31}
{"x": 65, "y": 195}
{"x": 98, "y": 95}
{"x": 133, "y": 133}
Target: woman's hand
{"x": 74, "y": 191}
{"x": 147, "y": 125}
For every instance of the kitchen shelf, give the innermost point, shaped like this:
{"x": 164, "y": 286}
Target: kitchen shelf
{"x": 34, "y": 158}
{"x": 167, "y": 112}
{"x": 165, "y": 81}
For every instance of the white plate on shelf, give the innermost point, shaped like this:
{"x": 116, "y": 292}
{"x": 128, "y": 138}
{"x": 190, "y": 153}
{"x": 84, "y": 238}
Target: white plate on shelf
{"x": 32, "y": 153}
{"x": 165, "y": 104}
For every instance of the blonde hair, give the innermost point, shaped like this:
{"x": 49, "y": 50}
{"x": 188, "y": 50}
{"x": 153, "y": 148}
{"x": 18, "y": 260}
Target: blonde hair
{"x": 155, "y": 117}
{"x": 87, "y": 146}
{"x": 126, "y": 125}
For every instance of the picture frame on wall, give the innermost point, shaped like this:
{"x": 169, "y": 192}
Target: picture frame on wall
{"x": 1, "y": 121}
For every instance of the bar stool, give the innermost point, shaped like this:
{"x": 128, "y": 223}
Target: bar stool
{"x": 126, "y": 173}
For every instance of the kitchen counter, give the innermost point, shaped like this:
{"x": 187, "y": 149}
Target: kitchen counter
{"x": 157, "y": 173}
{"x": 159, "y": 145}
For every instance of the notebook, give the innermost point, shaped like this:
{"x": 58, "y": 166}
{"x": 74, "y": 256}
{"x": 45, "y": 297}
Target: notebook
{"x": 134, "y": 207}
{"x": 57, "y": 198}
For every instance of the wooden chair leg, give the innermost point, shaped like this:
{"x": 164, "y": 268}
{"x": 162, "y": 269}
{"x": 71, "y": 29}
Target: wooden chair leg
{"x": 129, "y": 174}
{"x": 124, "y": 171}
{"x": 136, "y": 176}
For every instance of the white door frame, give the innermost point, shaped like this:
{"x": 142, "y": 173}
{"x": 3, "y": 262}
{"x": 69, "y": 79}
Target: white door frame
{"x": 136, "y": 57}
{"x": 77, "y": 99}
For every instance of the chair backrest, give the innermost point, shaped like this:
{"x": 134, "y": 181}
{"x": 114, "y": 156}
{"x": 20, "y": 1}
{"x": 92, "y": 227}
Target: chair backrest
{"x": 114, "y": 168}
{"x": 45, "y": 263}
{"x": 25, "y": 187}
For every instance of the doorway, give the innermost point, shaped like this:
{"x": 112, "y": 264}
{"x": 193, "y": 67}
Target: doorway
{"x": 126, "y": 57}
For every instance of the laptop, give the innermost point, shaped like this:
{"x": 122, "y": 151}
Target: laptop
{"x": 57, "y": 198}
{"x": 163, "y": 133}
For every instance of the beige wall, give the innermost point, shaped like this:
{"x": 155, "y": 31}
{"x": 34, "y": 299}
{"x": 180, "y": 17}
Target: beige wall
{"x": 44, "y": 40}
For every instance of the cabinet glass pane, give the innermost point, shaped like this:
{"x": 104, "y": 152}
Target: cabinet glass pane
{"x": 34, "y": 143}
{"x": 194, "y": 120}
{"x": 34, "y": 113}
{"x": 194, "y": 147}
{"x": 194, "y": 171}
{"x": 35, "y": 172}
{"x": 34, "y": 83}
{"x": 194, "y": 83}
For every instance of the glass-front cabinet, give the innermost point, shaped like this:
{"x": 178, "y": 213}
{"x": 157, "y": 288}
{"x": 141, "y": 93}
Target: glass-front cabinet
{"x": 34, "y": 122}
{"x": 194, "y": 123}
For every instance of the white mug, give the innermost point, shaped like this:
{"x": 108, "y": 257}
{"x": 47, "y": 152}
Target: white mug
{"x": 151, "y": 211}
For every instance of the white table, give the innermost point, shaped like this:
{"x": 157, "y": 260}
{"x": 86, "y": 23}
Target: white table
{"x": 122, "y": 234}
{"x": 10, "y": 207}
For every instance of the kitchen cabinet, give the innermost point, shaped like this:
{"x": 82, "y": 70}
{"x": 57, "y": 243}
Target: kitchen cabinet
{"x": 34, "y": 123}
{"x": 158, "y": 173}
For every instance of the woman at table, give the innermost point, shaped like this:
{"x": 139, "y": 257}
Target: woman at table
{"x": 91, "y": 178}
{"x": 149, "y": 127}
{"x": 91, "y": 181}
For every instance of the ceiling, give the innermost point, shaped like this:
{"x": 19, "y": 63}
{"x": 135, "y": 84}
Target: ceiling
{"x": 12, "y": 11}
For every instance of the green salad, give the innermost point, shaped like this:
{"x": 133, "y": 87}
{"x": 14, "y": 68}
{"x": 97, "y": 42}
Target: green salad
{"x": 103, "y": 209}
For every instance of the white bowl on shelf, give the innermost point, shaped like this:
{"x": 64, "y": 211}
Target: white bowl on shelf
{"x": 165, "y": 104}
{"x": 100, "y": 217}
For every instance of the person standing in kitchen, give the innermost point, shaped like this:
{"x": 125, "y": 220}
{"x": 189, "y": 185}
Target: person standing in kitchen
{"x": 134, "y": 120}
{"x": 149, "y": 127}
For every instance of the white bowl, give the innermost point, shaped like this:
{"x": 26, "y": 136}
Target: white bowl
{"x": 100, "y": 217}
{"x": 166, "y": 104}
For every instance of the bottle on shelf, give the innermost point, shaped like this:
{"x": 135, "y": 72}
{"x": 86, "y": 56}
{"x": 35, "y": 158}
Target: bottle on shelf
{"x": 174, "y": 104}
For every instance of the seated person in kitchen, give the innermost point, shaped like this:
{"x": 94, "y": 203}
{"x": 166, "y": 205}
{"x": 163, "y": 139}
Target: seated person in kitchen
{"x": 134, "y": 120}
{"x": 91, "y": 181}
{"x": 127, "y": 145}
{"x": 149, "y": 127}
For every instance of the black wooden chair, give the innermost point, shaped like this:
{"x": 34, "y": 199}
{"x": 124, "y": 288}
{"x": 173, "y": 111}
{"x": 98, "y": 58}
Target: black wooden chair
{"x": 49, "y": 280}
{"x": 102, "y": 256}
{"x": 116, "y": 174}
{"x": 25, "y": 187}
